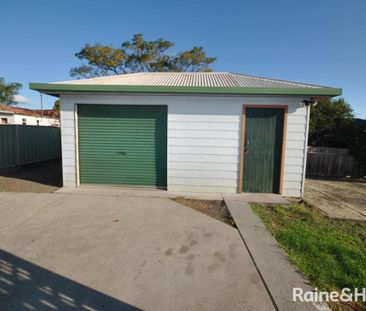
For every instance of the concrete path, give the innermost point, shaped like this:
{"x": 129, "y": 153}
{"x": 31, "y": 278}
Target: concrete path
{"x": 99, "y": 252}
{"x": 269, "y": 199}
{"x": 137, "y": 192}
{"x": 337, "y": 199}
{"x": 277, "y": 273}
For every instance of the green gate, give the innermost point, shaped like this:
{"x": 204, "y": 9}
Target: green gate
{"x": 263, "y": 149}
{"x": 123, "y": 145}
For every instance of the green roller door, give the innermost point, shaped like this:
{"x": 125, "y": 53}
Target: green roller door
{"x": 123, "y": 145}
{"x": 263, "y": 149}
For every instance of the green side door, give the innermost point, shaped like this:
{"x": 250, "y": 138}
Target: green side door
{"x": 263, "y": 149}
{"x": 123, "y": 145}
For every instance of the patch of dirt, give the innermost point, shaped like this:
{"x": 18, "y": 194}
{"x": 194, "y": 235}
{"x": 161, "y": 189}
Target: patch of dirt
{"x": 347, "y": 306}
{"x": 214, "y": 209}
{"x": 41, "y": 177}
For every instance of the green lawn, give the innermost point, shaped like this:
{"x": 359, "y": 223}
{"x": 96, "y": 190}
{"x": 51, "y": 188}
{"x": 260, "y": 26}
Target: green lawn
{"x": 331, "y": 253}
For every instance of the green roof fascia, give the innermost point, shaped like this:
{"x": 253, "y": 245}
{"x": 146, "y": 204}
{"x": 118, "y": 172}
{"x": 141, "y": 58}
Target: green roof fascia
{"x": 56, "y": 89}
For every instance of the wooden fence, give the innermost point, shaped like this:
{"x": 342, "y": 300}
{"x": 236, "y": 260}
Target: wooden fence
{"x": 26, "y": 144}
{"x": 332, "y": 162}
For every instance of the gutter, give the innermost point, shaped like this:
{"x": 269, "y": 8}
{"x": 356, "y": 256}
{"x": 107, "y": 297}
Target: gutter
{"x": 56, "y": 89}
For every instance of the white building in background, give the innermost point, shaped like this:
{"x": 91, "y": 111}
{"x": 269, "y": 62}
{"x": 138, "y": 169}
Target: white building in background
{"x": 22, "y": 116}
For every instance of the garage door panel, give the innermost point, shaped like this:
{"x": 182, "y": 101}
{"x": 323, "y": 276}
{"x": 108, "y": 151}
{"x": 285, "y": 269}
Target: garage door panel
{"x": 124, "y": 145}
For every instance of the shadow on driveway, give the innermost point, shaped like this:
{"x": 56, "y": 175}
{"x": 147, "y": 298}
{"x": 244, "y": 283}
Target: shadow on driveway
{"x": 25, "y": 286}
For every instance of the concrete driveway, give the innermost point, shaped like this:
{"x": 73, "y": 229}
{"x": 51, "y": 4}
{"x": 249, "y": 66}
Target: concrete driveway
{"x": 337, "y": 198}
{"x": 91, "y": 252}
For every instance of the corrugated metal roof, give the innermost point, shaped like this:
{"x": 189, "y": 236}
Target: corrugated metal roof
{"x": 191, "y": 79}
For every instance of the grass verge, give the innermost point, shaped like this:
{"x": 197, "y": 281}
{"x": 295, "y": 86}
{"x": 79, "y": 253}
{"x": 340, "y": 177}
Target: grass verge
{"x": 331, "y": 253}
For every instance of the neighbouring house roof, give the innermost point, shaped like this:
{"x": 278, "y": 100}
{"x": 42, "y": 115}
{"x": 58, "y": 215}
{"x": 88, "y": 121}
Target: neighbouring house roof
{"x": 29, "y": 112}
{"x": 187, "y": 82}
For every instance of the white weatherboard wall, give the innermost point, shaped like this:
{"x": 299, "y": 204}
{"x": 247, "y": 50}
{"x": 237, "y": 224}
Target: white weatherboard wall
{"x": 204, "y": 137}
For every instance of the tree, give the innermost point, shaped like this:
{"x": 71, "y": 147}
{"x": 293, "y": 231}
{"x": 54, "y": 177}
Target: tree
{"x": 102, "y": 61}
{"x": 358, "y": 147}
{"x": 8, "y": 91}
{"x": 145, "y": 56}
{"x": 138, "y": 55}
{"x": 192, "y": 60}
{"x": 56, "y": 106}
{"x": 332, "y": 124}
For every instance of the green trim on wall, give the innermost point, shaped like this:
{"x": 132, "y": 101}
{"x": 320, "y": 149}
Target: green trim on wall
{"x": 57, "y": 89}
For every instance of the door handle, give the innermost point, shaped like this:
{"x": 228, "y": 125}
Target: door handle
{"x": 246, "y": 146}
{"x": 122, "y": 153}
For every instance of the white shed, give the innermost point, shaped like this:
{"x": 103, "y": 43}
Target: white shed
{"x": 200, "y": 132}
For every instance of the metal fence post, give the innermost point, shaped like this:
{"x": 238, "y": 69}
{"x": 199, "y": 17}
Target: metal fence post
{"x": 17, "y": 146}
